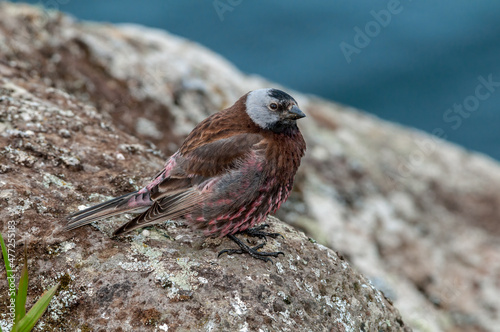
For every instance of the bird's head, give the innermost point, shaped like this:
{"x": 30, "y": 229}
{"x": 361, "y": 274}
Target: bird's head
{"x": 272, "y": 109}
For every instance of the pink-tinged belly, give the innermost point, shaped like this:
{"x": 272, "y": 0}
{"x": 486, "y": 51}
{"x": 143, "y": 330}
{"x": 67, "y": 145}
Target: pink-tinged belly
{"x": 242, "y": 218}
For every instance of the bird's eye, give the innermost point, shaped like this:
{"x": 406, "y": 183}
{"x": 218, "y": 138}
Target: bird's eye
{"x": 273, "y": 106}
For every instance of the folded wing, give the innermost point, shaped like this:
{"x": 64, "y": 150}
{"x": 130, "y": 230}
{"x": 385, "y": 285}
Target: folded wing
{"x": 193, "y": 178}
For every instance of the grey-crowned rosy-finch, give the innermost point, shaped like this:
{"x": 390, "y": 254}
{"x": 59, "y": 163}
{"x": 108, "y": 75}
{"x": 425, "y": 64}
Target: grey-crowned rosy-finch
{"x": 233, "y": 169}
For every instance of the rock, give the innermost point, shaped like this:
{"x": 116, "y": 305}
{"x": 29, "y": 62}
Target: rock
{"x": 59, "y": 153}
{"x": 416, "y": 215}
{"x": 159, "y": 278}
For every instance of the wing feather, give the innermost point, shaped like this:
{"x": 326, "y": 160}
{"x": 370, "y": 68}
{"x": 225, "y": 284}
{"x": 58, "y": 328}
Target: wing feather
{"x": 167, "y": 208}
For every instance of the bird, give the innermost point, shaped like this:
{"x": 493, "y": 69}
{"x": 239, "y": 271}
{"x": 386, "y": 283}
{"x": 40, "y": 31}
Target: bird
{"x": 234, "y": 169}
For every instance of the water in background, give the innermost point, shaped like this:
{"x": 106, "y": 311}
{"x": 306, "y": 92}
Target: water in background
{"x": 420, "y": 63}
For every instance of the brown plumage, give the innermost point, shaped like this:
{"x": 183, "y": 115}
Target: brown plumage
{"x": 233, "y": 169}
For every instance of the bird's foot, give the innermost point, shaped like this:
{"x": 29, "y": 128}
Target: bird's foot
{"x": 252, "y": 251}
{"x": 257, "y": 232}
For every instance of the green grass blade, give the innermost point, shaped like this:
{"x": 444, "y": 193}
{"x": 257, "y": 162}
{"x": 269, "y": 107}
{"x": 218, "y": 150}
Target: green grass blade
{"x": 22, "y": 290}
{"x": 10, "y": 275}
{"x": 28, "y": 322}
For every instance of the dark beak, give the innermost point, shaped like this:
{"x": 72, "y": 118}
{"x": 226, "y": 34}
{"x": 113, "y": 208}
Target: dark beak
{"x": 295, "y": 113}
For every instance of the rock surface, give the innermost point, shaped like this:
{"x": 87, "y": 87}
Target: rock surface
{"x": 86, "y": 110}
{"x": 58, "y": 152}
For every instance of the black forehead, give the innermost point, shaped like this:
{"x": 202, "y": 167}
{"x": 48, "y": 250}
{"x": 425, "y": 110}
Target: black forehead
{"x": 280, "y": 95}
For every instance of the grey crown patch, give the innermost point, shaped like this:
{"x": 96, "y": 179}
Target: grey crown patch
{"x": 257, "y": 110}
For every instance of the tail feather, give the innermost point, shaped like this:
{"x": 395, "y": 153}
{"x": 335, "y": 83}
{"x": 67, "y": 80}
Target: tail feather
{"x": 103, "y": 210}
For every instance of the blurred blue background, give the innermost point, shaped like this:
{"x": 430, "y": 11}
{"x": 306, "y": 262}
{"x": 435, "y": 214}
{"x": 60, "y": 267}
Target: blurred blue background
{"x": 418, "y": 63}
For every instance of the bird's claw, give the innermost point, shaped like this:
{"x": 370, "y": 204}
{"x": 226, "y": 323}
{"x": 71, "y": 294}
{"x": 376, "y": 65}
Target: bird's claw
{"x": 257, "y": 232}
{"x": 252, "y": 251}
